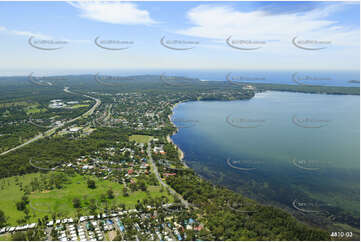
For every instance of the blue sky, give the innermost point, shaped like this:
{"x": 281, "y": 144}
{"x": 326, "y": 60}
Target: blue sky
{"x": 269, "y": 27}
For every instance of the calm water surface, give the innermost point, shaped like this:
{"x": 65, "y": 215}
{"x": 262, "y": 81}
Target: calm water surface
{"x": 278, "y": 147}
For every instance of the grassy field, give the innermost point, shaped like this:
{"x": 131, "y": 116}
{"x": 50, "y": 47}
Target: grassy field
{"x": 79, "y": 106}
{"x": 10, "y": 194}
{"x": 34, "y": 109}
{"x": 60, "y": 200}
{"x": 5, "y": 237}
{"x": 140, "y": 138}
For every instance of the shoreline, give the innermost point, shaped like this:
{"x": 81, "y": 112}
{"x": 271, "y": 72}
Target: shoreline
{"x": 169, "y": 139}
{"x": 254, "y": 198}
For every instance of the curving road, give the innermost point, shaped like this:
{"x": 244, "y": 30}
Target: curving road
{"x": 87, "y": 113}
{"x": 51, "y": 131}
{"x": 184, "y": 202}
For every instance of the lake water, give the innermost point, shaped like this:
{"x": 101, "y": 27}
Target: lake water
{"x": 299, "y": 151}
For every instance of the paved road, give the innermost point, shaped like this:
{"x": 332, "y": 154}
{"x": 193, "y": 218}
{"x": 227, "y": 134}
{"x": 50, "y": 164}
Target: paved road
{"x": 22, "y": 145}
{"x": 184, "y": 202}
{"x": 109, "y": 113}
{"x": 50, "y": 131}
{"x": 90, "y": 111}
{"x": 105, "y": 116}
{"x": 40, "y": 126}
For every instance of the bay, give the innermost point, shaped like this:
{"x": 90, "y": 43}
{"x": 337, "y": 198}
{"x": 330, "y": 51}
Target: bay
{"x": 279, "y": 148}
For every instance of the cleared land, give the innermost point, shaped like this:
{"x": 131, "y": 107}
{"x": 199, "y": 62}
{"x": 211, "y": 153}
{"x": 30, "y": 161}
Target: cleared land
{"x": 80, "y": 106}
{"x": 140, "y": 138}
{"x": 34, "y": 109}
{"x": 5, "y": 237}
{"x": 59, "y": 201}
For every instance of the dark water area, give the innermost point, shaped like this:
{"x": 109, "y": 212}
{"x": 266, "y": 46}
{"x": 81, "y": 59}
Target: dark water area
{"x": 298, "y": 151}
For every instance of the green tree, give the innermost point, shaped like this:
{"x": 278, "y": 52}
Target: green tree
{"x": 27, "y": 214}
{"x": 125, "y": 192}
{"x": 91, "y": 184}
{"x": 76, "y": 203}
{"x": 20, "y": 205}
{"x": 25, "y": 199}
{"x": 142, "y": 186}
{"x": 3, "y": 218}
{"x": 18, "y": 236}
{"x": 110, "y": 194}
{"x": 103, "y": 198}
{"x": 92, "y": 205}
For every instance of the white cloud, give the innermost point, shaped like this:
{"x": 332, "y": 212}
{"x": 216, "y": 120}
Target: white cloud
{"x": 24, "y": 33}
{"x": 220, "y": 22}
{"x": 30, "y": 34}
{"x": 114, "y": 12}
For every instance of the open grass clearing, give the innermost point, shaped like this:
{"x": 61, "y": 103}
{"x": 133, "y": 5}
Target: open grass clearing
{"x": 60, "y": 201}
{"x": 140, "y": 138}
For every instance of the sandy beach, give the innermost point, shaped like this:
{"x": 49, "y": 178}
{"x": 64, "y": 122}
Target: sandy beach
{"x": 180, "y": 152}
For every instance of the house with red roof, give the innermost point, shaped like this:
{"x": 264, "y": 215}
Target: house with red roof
{"x": 169, "y": 174}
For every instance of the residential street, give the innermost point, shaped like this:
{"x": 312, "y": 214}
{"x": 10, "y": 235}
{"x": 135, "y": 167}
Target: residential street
{"x": 184, "y": 202}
